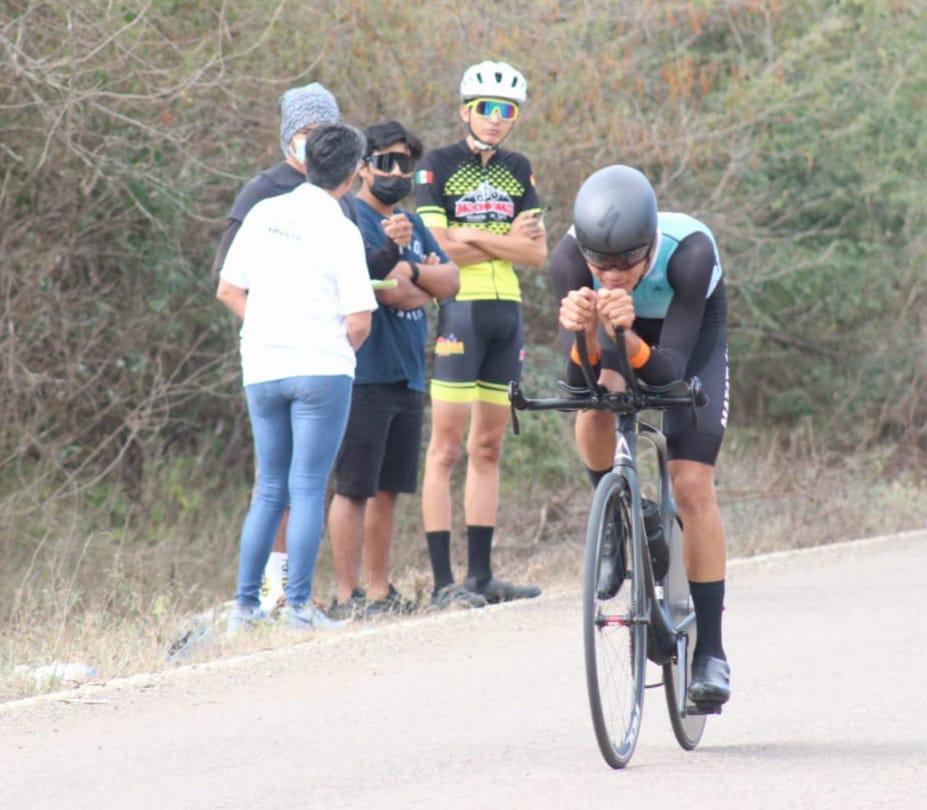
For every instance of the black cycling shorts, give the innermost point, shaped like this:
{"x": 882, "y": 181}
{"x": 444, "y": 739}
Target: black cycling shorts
{"x": 380, "y": 449}
{"x": 478, "y": 351}
{"x": 708, "y": 361}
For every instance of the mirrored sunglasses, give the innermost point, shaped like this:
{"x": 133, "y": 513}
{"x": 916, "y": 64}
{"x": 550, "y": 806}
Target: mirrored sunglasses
{"x": 616, "y": 261}
{"x": 385, "y": 162}
{"x": 485, "y": 107}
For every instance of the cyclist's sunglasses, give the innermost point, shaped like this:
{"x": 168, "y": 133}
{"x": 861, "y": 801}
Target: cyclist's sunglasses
{"x": 485, "y": 107}
{"x": 384, "y": 162}
{"x": 615, "y": 261}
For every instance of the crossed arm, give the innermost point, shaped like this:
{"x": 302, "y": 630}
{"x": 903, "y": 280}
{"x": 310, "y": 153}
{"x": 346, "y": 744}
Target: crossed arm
{"x": 524, "y": 244}
{"x": 435, "y": 280}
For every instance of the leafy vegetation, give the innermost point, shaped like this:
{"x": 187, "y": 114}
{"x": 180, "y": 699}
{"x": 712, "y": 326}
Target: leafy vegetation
{"x": 793, "y": 127}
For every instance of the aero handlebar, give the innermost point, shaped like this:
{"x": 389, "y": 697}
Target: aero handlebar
{"x": 637, "y": 397}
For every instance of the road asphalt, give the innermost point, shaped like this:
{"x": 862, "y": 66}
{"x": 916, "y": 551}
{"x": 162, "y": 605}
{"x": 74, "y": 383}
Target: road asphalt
{"x": 488, "y": 709}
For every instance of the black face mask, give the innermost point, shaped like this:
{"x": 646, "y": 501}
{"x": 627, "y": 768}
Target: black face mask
{"x": 390, "y": 190}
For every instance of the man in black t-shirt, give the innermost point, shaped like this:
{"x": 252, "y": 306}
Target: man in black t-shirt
{"x": 302, "y": 109}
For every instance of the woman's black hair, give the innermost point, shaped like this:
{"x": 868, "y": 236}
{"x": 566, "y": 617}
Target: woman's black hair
{"x": 332, "y": 154}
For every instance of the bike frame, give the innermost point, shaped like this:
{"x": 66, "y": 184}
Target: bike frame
{"x": 671, "y": 638}
{"x": 661, "y": 626}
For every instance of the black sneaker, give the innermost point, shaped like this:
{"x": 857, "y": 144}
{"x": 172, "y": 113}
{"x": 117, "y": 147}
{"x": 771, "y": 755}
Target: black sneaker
{"x": 498, "y": 590}
{"x": 613, "y": 565}
{"x": 393, "y": 604}
{"x": 456, "y": 596}
{"x": 354, "y": 608}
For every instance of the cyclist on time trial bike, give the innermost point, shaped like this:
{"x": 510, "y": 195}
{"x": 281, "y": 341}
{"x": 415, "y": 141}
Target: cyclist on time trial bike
{"x": 658, "y": 275}
{"x": 480, "y": 203}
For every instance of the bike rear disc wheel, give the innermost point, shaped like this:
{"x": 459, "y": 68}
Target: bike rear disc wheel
{"x": 614, "y": 629}
{"x": 687, "y": 728}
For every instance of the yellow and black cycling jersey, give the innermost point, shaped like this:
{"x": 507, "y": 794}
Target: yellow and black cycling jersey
{"x": 454, "y": 189}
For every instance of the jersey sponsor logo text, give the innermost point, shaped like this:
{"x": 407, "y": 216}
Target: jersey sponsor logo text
{"x": 484, "y": 202}
{"x": 285, "y": 234}
{"x": 409, "y": 314}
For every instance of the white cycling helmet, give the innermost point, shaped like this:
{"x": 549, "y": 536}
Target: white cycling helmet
{"x": 493, "y": 80}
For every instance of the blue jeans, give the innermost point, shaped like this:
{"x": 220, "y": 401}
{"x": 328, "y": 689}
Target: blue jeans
{"x": 298, "y": 424}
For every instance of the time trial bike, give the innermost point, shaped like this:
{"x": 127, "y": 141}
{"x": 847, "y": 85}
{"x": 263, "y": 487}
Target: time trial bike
{"x": 636, "y": 602}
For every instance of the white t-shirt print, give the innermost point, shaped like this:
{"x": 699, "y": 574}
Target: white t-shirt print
{"x": 302, "y": 263}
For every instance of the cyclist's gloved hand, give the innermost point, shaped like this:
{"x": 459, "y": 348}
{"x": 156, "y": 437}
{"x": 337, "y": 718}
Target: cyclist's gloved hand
{"x": 578, "y": 311}
{"x": 615, "y": 308}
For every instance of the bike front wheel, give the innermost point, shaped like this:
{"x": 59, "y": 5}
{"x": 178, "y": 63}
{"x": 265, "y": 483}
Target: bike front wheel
{"x": 687, "y": 727}
{"x": 614, "y": 620}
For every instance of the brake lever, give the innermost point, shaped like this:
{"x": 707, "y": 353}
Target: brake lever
{"x": 697, "y": 398}
{"x": 516, "y": 398}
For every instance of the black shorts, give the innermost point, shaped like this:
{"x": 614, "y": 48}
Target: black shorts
{"x": 479, "y": 350}
{"x": 708, "y": 362}
{"x": 381, "y": 444}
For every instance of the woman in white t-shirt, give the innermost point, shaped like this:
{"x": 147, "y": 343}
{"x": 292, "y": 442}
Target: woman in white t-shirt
{"x": 297, "y": 276}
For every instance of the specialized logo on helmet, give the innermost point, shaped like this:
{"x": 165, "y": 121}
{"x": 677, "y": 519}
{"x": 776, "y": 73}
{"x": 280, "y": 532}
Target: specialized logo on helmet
{"x": 609, "y": 220}
{"x": 484, "y": 203}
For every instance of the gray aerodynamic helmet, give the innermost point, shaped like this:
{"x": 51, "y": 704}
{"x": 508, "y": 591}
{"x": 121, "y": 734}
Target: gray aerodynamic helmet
{"x": 615, "y": 217}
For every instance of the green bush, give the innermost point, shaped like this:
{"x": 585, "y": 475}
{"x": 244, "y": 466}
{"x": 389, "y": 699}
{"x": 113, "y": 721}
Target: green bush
{"x": 793, "y": 128}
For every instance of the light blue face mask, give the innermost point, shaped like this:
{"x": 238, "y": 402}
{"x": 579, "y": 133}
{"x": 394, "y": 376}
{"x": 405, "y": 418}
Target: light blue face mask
{"x": 298, "y": 149}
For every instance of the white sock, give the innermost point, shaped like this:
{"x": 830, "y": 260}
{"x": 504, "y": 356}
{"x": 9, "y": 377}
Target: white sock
{"x": 275, "y": 571}
{"x": 274, "y": 580}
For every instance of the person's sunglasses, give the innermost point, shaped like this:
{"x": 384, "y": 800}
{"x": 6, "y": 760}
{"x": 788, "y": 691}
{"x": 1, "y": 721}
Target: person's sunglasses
{"x": 615, "y": 261}
{"x": 485, "y": 107}
{"x": 384, "y": 162}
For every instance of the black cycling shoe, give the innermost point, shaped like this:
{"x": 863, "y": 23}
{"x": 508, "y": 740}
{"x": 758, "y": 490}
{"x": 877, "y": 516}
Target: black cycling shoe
{"x": 711, "y": 680}
{"x": 613, "y": 565}
{"x": 497, "y": 590}
{"x": 456, "y": 596}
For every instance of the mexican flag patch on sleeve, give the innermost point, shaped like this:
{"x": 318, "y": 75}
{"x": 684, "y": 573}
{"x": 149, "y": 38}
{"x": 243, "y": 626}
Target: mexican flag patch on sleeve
{"x": 423, "y": 177}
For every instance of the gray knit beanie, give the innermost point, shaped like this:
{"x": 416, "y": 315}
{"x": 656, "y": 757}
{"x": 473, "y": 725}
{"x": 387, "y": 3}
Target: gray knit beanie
{"x": 301, "y": 107}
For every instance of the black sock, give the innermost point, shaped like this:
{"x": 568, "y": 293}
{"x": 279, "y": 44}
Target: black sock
{"x": 709, "y": 603}
{"x": 596, "y": 475}
{"x": 439, "y": 550}
{"x": 479, "y": 549}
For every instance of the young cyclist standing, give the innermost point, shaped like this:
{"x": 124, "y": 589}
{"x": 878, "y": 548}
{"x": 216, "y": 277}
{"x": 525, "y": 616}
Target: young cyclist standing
{"x": 480, "y": 203}
{"x": 658, "y": 275}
